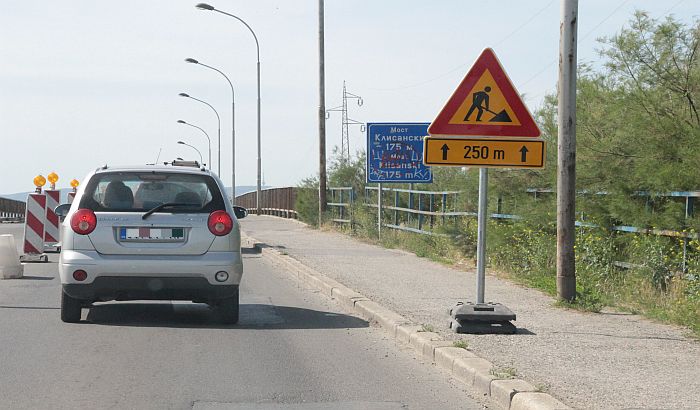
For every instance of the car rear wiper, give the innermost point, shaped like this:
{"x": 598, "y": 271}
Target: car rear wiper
{"x": 167, "y": 205}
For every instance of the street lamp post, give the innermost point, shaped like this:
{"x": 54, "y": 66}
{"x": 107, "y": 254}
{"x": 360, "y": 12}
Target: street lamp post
{"x": 205, "y": 134}
{"x": 193, "y": 147}
{"x": 322, "y": 202}
{"x": 204, "y": 6}
{"x": 218, "y": 119}
{"x": 233, "y": 129}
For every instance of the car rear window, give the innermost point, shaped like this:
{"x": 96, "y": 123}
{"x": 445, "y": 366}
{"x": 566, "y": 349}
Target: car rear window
{"x": 142, "y": 191}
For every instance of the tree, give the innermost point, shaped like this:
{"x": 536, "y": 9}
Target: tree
{"x": 638, "y": 123}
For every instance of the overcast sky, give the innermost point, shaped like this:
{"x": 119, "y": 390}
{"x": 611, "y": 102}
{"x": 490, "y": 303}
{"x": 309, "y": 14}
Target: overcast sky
{"x": 87, "y": 83}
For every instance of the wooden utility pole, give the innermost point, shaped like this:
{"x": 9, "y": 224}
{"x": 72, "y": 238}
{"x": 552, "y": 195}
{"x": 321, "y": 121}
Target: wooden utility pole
{"x": 566, "y": 162}
{"x": 321, "y": 119}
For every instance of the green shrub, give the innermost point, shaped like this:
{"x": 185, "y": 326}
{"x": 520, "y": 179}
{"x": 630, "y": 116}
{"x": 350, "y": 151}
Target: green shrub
{"x": 527, "y": 253}
{"x": 307, "y": 201}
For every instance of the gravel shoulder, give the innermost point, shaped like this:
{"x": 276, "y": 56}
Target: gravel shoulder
{"x": 595, "y": 361}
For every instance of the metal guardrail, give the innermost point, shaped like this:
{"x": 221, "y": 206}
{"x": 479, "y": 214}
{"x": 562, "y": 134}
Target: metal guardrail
{"x": 412, "y": 210}
{"x": 11, "y": 210}
{"x": 436, "y": 202}
{"x": 690, "y": 197}
{"x": 341, "y": 211}
{"x": 432, "y": 212}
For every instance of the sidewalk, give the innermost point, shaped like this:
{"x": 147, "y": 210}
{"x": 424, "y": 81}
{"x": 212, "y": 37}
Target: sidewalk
{"x": 586, "y": 360}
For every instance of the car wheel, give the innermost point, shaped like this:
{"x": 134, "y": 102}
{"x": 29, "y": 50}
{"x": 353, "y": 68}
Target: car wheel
{"x": 228, "y": 309}
{"x": 71, "y": 309}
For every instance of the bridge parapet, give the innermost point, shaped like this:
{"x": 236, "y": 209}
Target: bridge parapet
{"x": 273, "y": 201}
{"x": 11, "y": 210}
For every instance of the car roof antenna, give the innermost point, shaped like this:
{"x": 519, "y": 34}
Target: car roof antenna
{"x": 158, "y": 157}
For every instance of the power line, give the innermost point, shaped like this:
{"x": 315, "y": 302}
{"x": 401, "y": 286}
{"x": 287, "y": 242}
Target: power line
{"x": 605, "y": 19}
{"x": 462, "y": 66}
{"x": 443, "y": 75}
{"x": 524, "y": 24}
{"x": 552, "y": 62}
{"x": 674, "y": 6}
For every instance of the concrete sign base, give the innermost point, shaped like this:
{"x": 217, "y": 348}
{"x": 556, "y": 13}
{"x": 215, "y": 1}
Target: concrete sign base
{"x": 482, "y": 318}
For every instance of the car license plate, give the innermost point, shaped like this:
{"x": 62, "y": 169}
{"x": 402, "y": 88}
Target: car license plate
{"x": 152, "y": 234}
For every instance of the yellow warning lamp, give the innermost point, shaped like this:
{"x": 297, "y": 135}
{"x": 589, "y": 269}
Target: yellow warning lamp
{"x": 53, "y": 178}
{"x": 39, "y": 181}
{"x": 74, "y": 183}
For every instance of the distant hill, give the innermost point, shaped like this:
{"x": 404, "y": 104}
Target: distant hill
{"x": 16, "y": 197}
{"x": 22, "y": 196}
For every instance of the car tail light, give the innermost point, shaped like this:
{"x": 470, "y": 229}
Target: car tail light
{"x": 83, "y": 221}
{"x": 220, "y": 223}
{"x": 80, "y": 275}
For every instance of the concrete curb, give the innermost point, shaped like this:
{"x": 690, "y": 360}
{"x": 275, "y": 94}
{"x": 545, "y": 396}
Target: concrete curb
{"x": 463, "y": 365}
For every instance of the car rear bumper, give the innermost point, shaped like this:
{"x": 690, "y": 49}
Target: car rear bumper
{"x": 106, "y": 288}
{"x": 97, "y": 265}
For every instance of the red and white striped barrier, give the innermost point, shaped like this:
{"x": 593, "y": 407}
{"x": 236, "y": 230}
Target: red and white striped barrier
{"x": 71, "y": 197}
{"x": 51, "y": 231}
{"x": 34, "y": 229}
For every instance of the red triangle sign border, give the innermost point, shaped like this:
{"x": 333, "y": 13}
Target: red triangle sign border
{"x": 487, "y": 61}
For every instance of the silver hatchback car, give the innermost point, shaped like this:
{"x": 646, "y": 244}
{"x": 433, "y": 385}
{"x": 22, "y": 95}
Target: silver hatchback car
{"x": 151, "y": 233}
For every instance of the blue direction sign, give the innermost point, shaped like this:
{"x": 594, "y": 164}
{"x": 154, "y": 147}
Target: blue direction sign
{"x": 395, "y": 152}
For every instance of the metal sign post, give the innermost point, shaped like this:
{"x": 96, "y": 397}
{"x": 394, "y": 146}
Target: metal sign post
{"x": 481, "y": 317}
{"x": 481, "y": 234}
{"x": 379, "y": 210}
{"x": 485, "y": 105}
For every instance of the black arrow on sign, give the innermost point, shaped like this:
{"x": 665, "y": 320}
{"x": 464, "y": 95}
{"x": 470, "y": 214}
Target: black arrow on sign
{"x": 523, "y": 152}
{"x": 444, "y": 149}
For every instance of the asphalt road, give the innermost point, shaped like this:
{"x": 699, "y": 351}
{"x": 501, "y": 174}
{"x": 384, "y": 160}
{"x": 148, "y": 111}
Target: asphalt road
{"x": 293, "y": 349}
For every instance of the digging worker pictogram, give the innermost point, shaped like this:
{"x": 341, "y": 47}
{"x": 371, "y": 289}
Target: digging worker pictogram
{"x": 477, "y": 98}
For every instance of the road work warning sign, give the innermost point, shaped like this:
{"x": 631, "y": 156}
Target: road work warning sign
{"x": 485, "y": 104}
{"x": 484, "y": 152}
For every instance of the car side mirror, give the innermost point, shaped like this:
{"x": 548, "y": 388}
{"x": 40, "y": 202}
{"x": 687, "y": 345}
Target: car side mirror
{"x": 62, "y": 210}
{"x": 240, "y": 212}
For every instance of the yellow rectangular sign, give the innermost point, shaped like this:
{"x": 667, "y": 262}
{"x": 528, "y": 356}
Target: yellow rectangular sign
{"x": 484, "y": 152}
